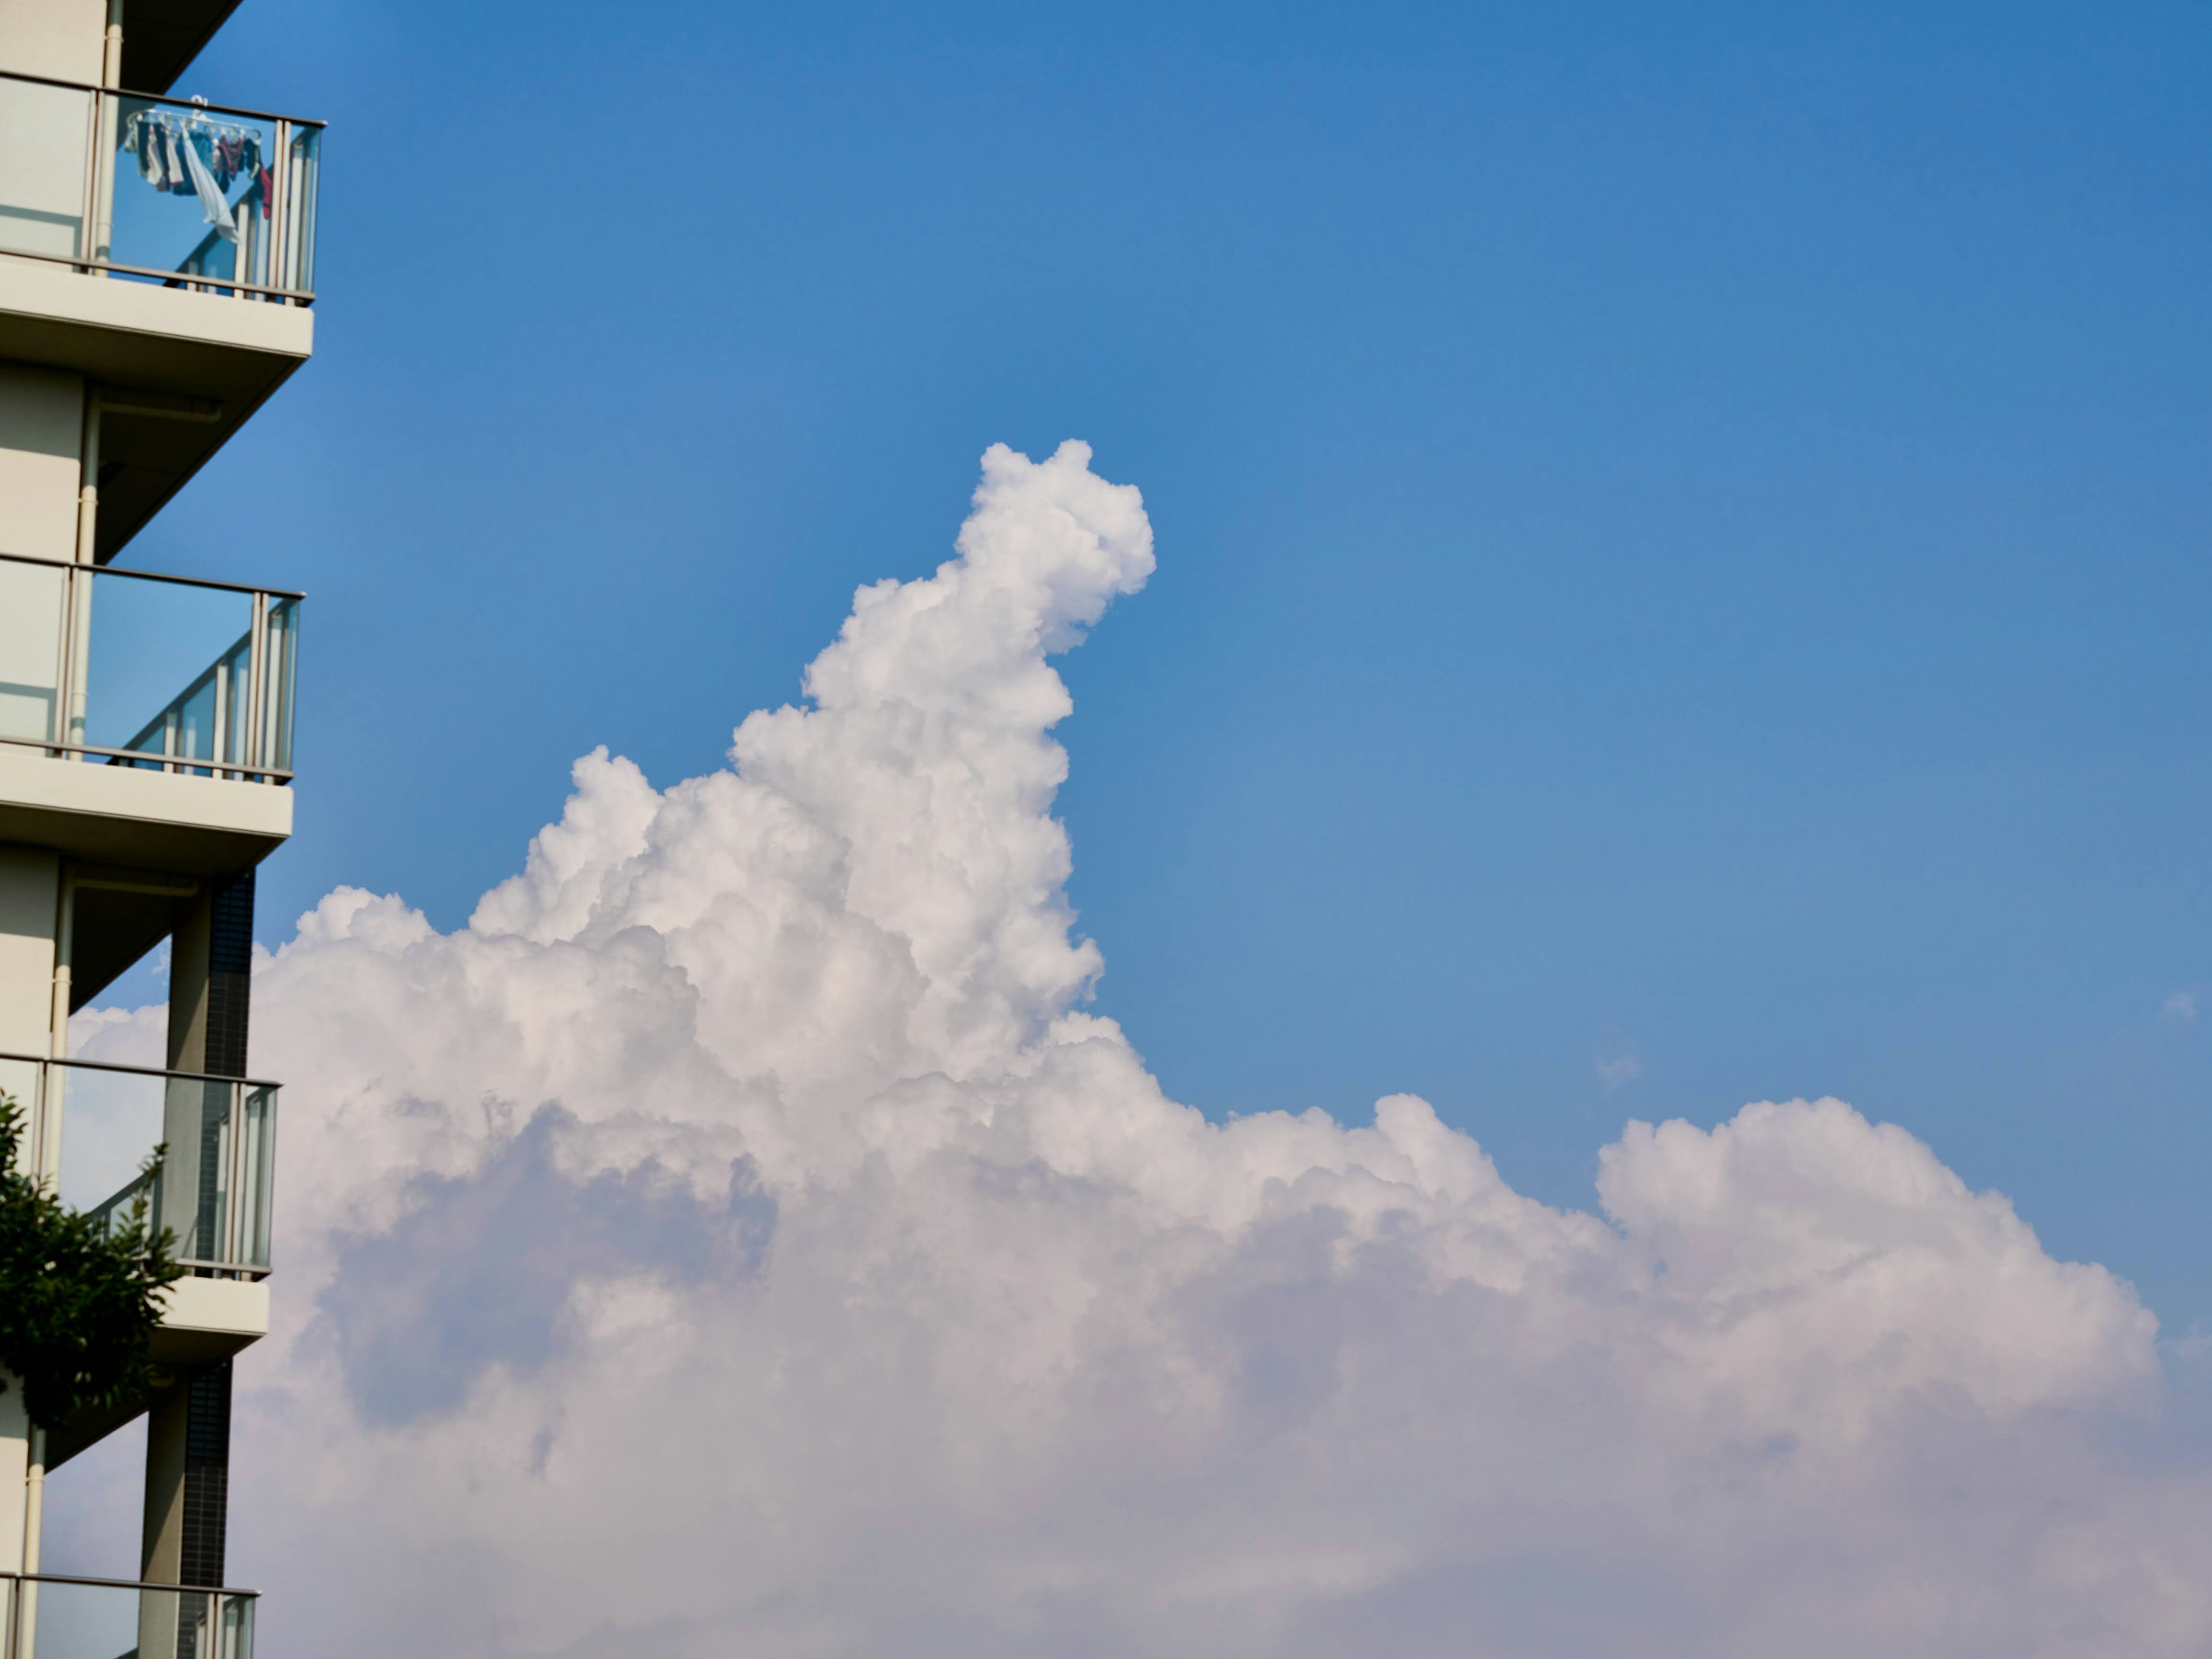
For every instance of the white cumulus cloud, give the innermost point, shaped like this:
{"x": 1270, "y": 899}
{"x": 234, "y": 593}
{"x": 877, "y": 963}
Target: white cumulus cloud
{"x": 739, "y": 1239}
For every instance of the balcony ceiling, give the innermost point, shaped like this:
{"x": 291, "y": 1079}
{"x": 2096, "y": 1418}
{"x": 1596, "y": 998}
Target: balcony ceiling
{"x": 160, "y": 37}
{"x": 181, "y": 372}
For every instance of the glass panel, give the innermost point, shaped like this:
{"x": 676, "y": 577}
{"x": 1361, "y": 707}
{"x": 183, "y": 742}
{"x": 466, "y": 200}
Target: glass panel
{"x": 256, "y": 1167}
{"x": 90, "y": 1622}
{"x": 283, "y": 652}
{"x": 139, "y": 1621}
{"x": 195, "y": 1195}
{"x": 30, "y": 643}
{"x": 211, "y": 1189}
{"x": 43, "y": 136}
{"x": 237, "y": 1628}
{"x": 169, "y": 669}
{"x": 192, "y": 190}
{"x": 110, "y": 1120}
{"x": 300, "y": 208}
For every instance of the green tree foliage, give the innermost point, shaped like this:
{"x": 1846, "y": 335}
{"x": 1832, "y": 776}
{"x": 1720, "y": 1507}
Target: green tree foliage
{"x": 79, "y": 1298}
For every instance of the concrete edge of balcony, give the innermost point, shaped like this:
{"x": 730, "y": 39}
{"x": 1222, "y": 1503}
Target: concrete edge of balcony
{"x": 170, "y": 323}
{"x": 145, "y": 819}
{"x": 205, "y": 1320}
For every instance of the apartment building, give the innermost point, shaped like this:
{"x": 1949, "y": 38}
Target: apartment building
{"x": 156, "y": 280}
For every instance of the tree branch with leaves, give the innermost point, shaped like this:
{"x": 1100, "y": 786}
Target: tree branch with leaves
{"x": 80, "y": 1295}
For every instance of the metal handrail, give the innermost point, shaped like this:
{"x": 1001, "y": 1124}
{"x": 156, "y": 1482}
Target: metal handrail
{"x": 277, "y": 775}
{"x": 140, "y": 1071}
{"x": 292, "y": 195}
{"x": 193, "y": 266}
{"x": 144, "y": 1183}
{"x": 128, "y": 1584}
{"x": 164, "y": 98}
{"x": 306, "y": 296}
{"x": 233, "y": 1238}
{"x": 258, "y": 716}
{"x": 211, "y": 674}
{"x": 218, "y": 1612}
{"x": 155, "y": 575}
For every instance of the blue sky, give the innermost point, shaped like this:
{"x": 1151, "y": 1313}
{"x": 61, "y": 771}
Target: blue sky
{"x": 1681, "y": 531}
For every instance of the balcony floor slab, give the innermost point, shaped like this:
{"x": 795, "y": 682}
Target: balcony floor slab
{"x": 145, "y": 819}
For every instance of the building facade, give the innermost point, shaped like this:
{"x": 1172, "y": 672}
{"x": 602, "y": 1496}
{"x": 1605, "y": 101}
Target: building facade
{"x": 156, "y": 276}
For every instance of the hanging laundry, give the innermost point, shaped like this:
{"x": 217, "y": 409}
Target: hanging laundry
{"x": 184, "y": 153}
{"x": 140, "y": 139}
{"x": 216, "y": 209}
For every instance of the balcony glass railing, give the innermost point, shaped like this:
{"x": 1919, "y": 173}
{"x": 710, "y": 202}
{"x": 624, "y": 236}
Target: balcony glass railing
{"x": 96, "y": 1126}
{"x": 191, "y": 194}
{"x": 52, "y": 1616}
{"x": 136, "y": 668}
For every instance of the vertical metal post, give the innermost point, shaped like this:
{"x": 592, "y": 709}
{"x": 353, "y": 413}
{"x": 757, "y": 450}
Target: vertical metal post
{"x": 80, "y": 673}
{"x": 77, "y": 582}
{"x": 100, "y": 231}
{"x": 34, "y": 1504}
{"x": 225, "y": 702}
{"x": 241, "y": 1172}
{"x": 91, "y": 198}
{"x": 53, "y": 1081}
{"x": 256, "y": 681}
{"x": 64, "y": 632}
{"x": 262, "y": 1243}
{"x": 280, "y": 214}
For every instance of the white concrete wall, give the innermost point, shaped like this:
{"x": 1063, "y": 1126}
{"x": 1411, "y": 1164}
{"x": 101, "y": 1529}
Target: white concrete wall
{"x": 42, "y": 181}
{"x": 14, "y": 1466}
{"x": 42, "y": 166}
{"x": 30, "y": 885}
{"x": 41, "y": 426}
{"x": 41, "y": 441}
{"x": 60, "y": 38}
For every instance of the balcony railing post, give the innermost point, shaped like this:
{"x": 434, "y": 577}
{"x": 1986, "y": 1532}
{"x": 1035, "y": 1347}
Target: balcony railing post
{"x": 53, "y": 1101}
{"x": 257, "y": 683}
{"x": 91, "y": 200}
{"x": 280, "y": 208}
{"x": 79, "y": 662}
{"x": 58, "y": 723}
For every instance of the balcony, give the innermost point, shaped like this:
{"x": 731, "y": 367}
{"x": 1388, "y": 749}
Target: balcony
{"x": 200, "y": 1152}
{"x": 181, "y": 192}
{"x": 51, "y": 1616}
{"x": 175, "y": 697}
{"x": 202, "y": 219}
{"x": 97, "y": 1128}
